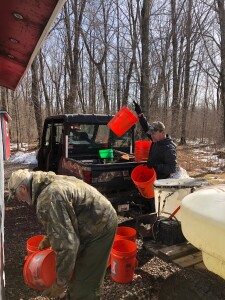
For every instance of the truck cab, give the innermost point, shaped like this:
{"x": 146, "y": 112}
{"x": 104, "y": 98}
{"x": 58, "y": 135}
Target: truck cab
{"x": 71, "y": 146}
{"x": 79, "y": 136}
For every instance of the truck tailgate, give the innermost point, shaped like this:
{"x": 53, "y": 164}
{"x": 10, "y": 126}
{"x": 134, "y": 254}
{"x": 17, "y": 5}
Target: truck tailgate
{"x": 105, "y": 177}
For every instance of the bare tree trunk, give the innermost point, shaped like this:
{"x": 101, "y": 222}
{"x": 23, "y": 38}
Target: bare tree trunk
{"x": 118, "y": 88}
{"x": 145, "y": 73}
{"x": 133, "y": 32}
{"x": 221, "y": 13}
{"x": 73, "y": 51}
{"x": 99, "y": 66}
{"x": 92, "y": 85}
{"x": 35, "y": 97}
{"x": 175, "y": 100}
{"x": 47, "y": 100}
{"x": 187, "y": 74}
{"x": 127, "y": 83}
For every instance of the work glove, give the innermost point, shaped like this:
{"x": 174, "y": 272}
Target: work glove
{"x": 44, "y": 243}
{"x": 137, "y": 108}
{"x": 54, "y": 291}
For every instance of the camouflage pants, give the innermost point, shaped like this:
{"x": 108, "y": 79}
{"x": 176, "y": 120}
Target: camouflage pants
{"x": 91, "y": 266}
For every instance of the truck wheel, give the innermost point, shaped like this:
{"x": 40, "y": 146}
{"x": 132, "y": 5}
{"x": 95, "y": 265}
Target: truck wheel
{"x": 193, "y": 284}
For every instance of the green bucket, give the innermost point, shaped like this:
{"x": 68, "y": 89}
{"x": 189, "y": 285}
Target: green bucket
{"x": 106, "y": 154}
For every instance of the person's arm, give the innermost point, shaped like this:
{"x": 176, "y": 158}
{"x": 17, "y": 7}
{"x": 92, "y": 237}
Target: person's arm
{"x": 142, "y": 119}
{"x": 63, "y": 237}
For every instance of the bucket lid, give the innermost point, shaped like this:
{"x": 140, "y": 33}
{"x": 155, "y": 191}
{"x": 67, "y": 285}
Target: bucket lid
{"x": 180, "y": 183}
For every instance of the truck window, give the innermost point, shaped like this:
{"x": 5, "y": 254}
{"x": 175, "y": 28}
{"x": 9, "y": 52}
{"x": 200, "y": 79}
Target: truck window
{"x": 47, "y": 136}
{"x": 54, "y": 132}
{"x": 89, "y": 139}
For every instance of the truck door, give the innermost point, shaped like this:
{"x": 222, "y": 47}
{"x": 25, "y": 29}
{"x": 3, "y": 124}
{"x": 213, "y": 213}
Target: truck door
{"x": 49, "y": 151}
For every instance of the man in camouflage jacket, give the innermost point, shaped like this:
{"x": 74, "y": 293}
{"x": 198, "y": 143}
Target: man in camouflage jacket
{"x": 80, "y": 224}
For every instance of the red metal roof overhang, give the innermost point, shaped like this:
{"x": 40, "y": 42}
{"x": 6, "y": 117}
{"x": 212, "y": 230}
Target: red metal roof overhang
{"x": 24, "y": 26}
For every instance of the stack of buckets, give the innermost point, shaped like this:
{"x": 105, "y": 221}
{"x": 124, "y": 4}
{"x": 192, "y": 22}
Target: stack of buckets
{"x": 141, "y": 150}
{"x": 39, "y": 270}
{"x": 142, "y": 176}
{"x": 123, "y": 255}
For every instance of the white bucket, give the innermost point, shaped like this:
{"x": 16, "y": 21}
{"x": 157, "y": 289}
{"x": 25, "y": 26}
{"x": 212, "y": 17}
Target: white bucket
{"x": 169, "y": 193}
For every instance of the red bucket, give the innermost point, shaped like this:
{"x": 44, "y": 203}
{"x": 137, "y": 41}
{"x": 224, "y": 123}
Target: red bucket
{"x": 122, "y": 121}
{"x": 33, "y": 243}
{"x": 39, "y": 270}
{"x": 123, "y": 260}
{"x": 141, "y": 150}
{"x": 123, "y": 232}
{"x": 127, "y": 233}
{"x": 144, "y": 178}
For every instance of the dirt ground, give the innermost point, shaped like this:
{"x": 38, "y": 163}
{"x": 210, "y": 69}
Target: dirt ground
{"x": 21, "y": 223}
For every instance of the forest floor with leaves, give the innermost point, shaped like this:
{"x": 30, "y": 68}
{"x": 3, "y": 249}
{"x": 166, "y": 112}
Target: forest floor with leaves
{"x": 21, "y": 223}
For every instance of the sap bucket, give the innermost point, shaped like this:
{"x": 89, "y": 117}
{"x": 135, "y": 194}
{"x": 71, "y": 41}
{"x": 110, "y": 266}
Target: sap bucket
{"x": 144, "y": 178}
{"x": 122, "y": 121}
{"x": 127, "y": 233}
{"x": 124, "y": 232}
{"x": 33, "y": 243}
{"x": 141, "y": 150}
{"x": 39, "y": 270}
{"x": 123, "y": 260}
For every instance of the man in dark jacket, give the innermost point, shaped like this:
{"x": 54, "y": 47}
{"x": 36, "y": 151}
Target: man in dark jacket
{"x": 162, "y": 155}
{"x": 80, "y": 224}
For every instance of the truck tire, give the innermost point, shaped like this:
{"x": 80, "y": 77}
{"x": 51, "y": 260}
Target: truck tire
{"x": 192, "y": 284}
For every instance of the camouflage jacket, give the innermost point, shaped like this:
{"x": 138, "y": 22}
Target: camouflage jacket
{"x": 73, "y": 214}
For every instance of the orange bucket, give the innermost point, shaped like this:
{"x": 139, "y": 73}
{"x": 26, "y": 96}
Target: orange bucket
{"x": 127, "y": 233}
{"x": 39, "y": 270}
{"x": 33, "y": 243}
{"x": 122, "y": 121}
{"x": 123, "y": 260}
{"x": 143, "y": 178}
{"x": 141, "y": 150}
{"x": 124, "y": 232}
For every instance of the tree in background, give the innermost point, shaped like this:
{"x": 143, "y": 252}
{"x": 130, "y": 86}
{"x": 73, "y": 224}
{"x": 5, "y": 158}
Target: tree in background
{"x": 102, "y": 55}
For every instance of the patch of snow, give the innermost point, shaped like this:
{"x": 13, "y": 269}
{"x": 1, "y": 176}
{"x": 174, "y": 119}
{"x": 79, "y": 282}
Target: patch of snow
{"x": 180, "y": 173}
{"x": 215, "y": 170}
{"x": 24, "y": 157}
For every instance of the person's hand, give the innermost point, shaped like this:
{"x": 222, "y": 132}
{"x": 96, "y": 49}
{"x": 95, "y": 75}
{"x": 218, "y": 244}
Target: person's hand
{"x": 54, "y": 291}
{"x": 137, "y": 108}
{"x": 44, "y": 243}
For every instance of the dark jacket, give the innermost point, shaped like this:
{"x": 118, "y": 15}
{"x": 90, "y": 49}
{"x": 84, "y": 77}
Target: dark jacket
{"x": 162, "y": 156}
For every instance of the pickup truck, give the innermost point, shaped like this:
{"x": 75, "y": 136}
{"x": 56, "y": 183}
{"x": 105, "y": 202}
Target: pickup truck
{"x": 70, "y": 146}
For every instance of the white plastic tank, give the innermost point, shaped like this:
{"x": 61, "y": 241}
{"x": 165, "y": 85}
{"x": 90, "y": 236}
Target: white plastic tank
{"x": 169, "y": 193}
{"x": 203, "y": 225}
